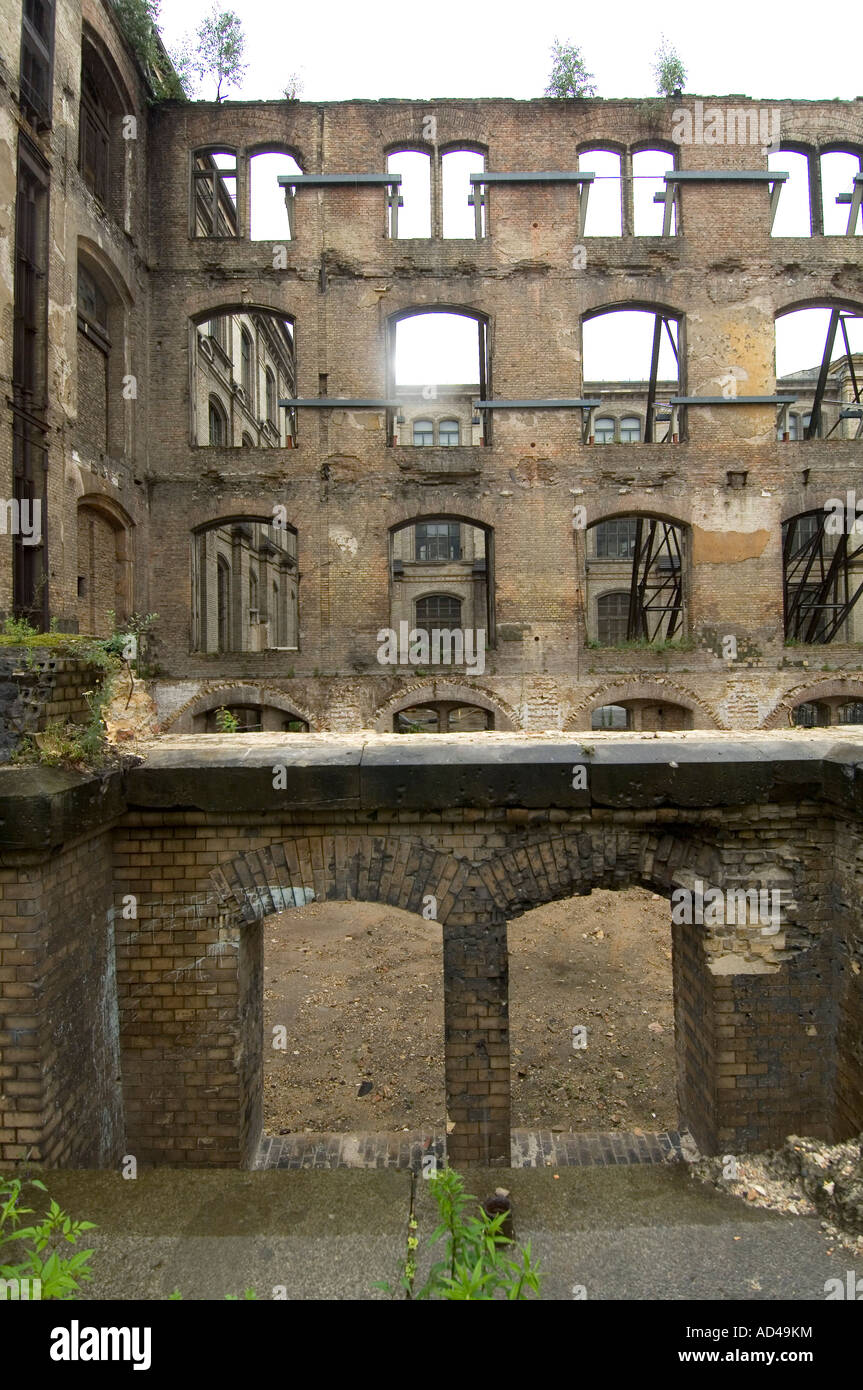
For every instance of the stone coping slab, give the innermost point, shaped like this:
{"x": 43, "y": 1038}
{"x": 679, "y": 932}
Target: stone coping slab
{"x": 366, "y": 772}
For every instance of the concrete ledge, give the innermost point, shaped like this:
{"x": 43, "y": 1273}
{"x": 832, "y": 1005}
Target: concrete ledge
{"x": 43, "y": 807}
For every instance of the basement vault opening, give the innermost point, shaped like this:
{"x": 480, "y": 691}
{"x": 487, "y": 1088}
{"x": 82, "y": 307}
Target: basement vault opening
{"x": 352, "y": 1024}
{"x": 592, "y": 1015}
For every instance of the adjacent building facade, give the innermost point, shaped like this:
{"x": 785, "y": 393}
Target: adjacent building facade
{"x": 208, "y": 422}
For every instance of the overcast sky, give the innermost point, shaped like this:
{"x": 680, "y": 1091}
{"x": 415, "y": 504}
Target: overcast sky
{"x": 447, "y": 49}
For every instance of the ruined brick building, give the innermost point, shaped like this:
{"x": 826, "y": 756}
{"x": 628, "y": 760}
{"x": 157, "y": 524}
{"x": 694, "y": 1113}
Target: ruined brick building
{"x": 211, "y": 415}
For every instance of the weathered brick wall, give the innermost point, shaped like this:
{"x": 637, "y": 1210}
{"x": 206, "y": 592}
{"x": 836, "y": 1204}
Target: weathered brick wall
{"x": 61, "y": 1099}
{"x": 768, "y": 1031}
{"x": 36, "y": 687}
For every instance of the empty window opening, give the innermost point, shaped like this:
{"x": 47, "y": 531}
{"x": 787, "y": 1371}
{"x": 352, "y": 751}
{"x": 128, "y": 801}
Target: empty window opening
{"x": 642, "y": 715}
{"x": 269, "y": 213}
{"x": 459, "y": 213}
{"x": 604, "y": 208}
{"x": 793, "y": 215}
{"x": 822, "y": 565}
{"x": 214, "y": 193}
{"x": 443, "y": 717}
{"x": 244, "y": 362}
{"x": 838, "y": 169}
{"x": 819, "y": 359}
{"x": 611, "y": 717}
{"x": 245, "y": 587}
{"x": 648, "y": 168}
{"x": 811, "y": 714}
{"x": 94, "y": 138}
{"x": 601, "y": 965}
{"x": 37, "y": 57}
{"x": 442, "y": 576}
{"x": 642, "y": 556}
{"x": 439, "y": 365}
{"x": 100, "y": 341}
{"x": 412, "y": 218}
{"x": 632, "y": 357}
{"x": 249, "y": 719}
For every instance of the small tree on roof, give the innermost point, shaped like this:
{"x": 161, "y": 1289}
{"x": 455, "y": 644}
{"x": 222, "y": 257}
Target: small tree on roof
{"x": 668, "y": 69}
{"x": 569, "y": 76}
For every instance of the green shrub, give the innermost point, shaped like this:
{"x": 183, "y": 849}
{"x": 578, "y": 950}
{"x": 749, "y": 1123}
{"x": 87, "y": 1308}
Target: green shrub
{"x": 37, "y": 1251}
{"x": 476, "y": 1266}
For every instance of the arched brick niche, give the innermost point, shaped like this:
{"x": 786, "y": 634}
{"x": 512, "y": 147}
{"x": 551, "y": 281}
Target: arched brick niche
{"x": 650, "y": 694}
{"x": 192, "y": 716}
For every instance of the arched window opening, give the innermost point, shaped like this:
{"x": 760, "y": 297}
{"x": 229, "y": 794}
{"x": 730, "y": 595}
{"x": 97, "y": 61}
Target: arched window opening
{"x": 423, "y": 432}
{"x": 604, "y": 207}
{"x": 635, "y": 580}
{"x": 218, "y": 422}
{"x": 237, "y": 564}
{"x": 100, "y": 343}
{"x": 841, "y": 193}
{"x": 438, "y": 610}
{"x": 819, "y": 360}
{"x": 648, "y": 168}
{"x": 462, "y": 218}
{"x": 214, "y": 194}
{"x": 449, "y": 434}
{"x": 246, "y": 364}
{"x": 269, "y": 214}
{"x": 246, "y": 356}
{"x": 603, "y": 430}
{"x": 793, "y": 214}
{"x": 630, "y": 430}
{"x": 412, "y": 217}
{"x": 438, "y": 366}
{"x": 632, "y": 357}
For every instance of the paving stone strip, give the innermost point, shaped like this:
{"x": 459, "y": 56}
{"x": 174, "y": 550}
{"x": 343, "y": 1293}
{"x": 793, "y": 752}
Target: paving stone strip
{"x": 530, "y": 1149}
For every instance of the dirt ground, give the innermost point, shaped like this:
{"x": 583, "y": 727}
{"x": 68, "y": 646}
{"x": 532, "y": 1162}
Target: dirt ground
{"x": 358, "y": 988}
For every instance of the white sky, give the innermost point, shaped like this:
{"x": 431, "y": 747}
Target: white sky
{"x": 448, "y": 49}
{"x": 391, "y": 49}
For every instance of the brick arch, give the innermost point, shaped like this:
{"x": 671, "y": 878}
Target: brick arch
{"x": 397, "y": 870}
{"x": 237, "y": 692}
{"x": 812, "y": 690}
{"x": 553, "y": 867}
{"x": 506, "y": 718}
{"x": 579, "y": 716}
